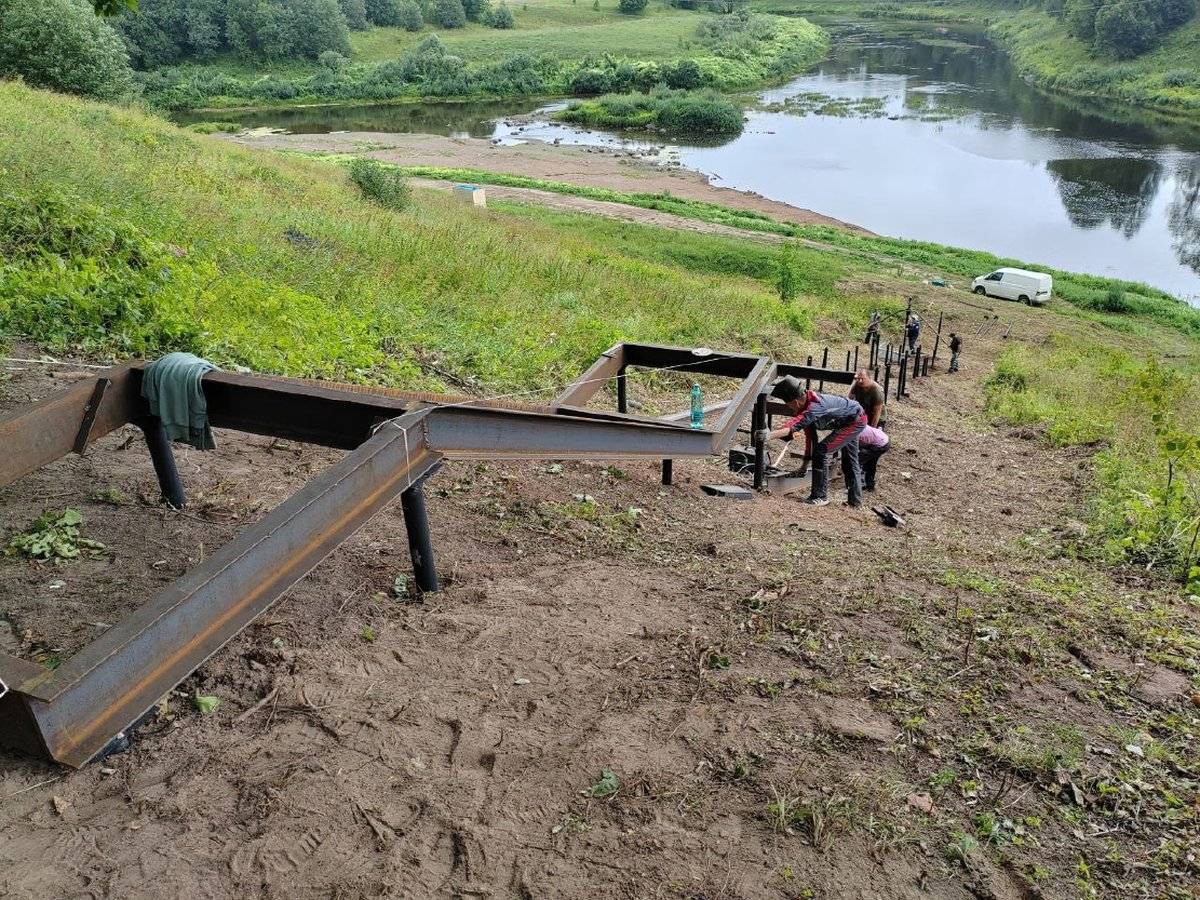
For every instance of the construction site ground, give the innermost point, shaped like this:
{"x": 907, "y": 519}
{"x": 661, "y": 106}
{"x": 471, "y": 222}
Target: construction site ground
{"x": 791, "y": 701}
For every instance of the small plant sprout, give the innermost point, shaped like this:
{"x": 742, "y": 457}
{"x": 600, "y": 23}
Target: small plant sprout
{"x": 206, "y": 704}
{"x": 607, "y": 786}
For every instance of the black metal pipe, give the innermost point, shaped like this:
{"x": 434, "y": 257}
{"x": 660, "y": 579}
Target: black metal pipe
{"x": 856, "y": 357}
{"x": 917, "y": 363}
{"x": 887, "y": 378}
{"x": 622, "y": 391}
{"x": 824, "y": 365}
{"x": 420, "y": 545}
{"x": 668, "y": 471}
{"x": 808, "y": 381}
{"x": 848, "y": 358}
{"x": 164, "y": 462}
{"x": 938, "y": 338}
{"x": 758, "y": 422}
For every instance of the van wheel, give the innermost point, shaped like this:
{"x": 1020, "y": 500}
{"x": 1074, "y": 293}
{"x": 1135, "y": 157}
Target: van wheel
{"x": 980, "y": 290}
{"x": 1024, "y": 299}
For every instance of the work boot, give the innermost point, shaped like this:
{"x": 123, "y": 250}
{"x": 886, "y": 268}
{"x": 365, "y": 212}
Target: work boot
{"x": 817, "y": 501}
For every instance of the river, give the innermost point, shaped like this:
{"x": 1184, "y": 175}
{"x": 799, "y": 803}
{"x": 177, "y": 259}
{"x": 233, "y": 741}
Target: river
{"x": 916, "y": 136}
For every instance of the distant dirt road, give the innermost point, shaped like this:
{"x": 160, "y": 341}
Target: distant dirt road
{"x": 592, "y": 167}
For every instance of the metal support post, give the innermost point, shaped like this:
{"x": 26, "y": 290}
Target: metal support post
{"x": 622, "y": 391}
{"x": 808, "y": 381}
{"x": 938, "y": 338}
{"x": 758, "y": 421}
{"x": 668, "y": 471}
{"x": 856, "y": 357}
{"x": 848, "y": 358}
{"x": 420, "y": 546}
{"x": 164, "y": 462}
{"x": 887, "y": 378}
{"x": 917, "y": 362}
{"x": 824, "y": 365}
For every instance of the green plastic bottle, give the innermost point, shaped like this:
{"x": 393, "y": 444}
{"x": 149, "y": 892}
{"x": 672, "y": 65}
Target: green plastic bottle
{"x": 697, "y": 407}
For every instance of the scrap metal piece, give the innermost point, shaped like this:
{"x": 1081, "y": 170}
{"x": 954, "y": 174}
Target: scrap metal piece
{"x": 89, "y": 414}
{"x": 731, "y": 491}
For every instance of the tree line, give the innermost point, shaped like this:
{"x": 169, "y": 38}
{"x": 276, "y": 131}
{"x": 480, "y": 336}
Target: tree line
{"x": 165, "y": 32}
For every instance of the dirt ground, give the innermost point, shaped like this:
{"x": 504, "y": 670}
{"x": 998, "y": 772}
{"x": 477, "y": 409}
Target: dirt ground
{"x": 592, "y": 167}
{"x": 794, "y": 702}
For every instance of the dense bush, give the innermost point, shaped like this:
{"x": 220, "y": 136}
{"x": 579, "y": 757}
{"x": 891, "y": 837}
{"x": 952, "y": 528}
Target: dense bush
{"x": 379, "y": 183}
{"x": 409, "y": 16}
{"x": 355, "y": 14}
{"x": 632, "y": 7}
{"x": 333, "y": 61}
{"x": 62, "y": 45}
{"x": 682, "y": 73}
{"x": 449, "y": 14}
{"x": 477, "y": 10}
{"x": 1124, "y": 28}
{"x": 383, "y": 12}
{"x": 501, "y": 16}
{"x": 665, "y": 109}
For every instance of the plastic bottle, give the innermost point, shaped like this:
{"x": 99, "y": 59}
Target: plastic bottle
{"x": 697, "y": 407}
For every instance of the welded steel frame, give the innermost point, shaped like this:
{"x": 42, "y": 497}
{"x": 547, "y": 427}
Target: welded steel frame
{"x": 71, "y": 714}
{"x": 754, "y": 373}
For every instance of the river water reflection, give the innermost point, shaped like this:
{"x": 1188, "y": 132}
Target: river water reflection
{"x": 929, "y": 139}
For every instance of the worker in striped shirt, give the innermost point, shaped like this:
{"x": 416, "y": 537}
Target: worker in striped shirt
{"x": 842, "y": 417}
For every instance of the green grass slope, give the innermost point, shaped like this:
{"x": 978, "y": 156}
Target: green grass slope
{"x": 121, "y": 233}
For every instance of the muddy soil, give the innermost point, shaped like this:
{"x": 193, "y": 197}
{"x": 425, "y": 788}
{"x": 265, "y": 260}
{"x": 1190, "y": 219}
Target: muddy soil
{"x": 778, "y": 691}
{"x": 592, "y": 167}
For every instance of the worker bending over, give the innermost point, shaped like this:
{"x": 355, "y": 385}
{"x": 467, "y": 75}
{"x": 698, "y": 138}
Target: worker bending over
{"x": 872, "y": 444}
{"x": 843, "y": 418}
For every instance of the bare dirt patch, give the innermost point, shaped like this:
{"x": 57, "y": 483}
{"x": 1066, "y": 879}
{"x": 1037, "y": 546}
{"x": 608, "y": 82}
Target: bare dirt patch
{"x": 768, "y": 683}
{"x": 592, "y": 167}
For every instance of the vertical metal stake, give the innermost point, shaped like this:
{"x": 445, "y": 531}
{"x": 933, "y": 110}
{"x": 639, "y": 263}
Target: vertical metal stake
{"x": 622, "y": 392}
{"x": 164, "y": 462}
{"x": 420, "y": 546}
{"x": 938, "y": 339}
{"x": 668, "y": 467}
{"x": 758, "y": 421}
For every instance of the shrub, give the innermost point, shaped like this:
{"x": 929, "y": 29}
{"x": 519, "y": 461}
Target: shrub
{"x": 683, "y": 73}
{"x": 631, "y": 7}
{"x": 477, "y": 10}
{"x": 501, "y": 17}
{"x": 787, "y": 279}
{"x": 355, "y": 14}
{"x": 379, "y": 183}
{"x": 272, "y": 88}
{"x": 449, "y": 14}
{"x": 333, "y": 61}
{"x": 384, "y": 13}
{"x": 701, "y": 113}
{"x": 62, "y": 45}
{"x": 409, "y": 16}
{"x": 1179, "y": 78}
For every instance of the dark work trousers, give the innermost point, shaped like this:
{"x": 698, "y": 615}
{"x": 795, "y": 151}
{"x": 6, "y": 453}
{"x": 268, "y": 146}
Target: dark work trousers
{"x": 868, "y": 458}
{"x": 844, "y": 437}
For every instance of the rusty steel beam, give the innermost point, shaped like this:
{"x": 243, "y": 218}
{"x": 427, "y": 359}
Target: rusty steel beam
{"x": 610, "y": 364}
{"x": 96, "y": 694}
{"x": 38, "y": 434}
{"x": 478, "y": 433}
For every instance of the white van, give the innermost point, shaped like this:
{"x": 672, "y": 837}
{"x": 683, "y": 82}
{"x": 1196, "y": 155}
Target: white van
{"x": 1015, "y": 284}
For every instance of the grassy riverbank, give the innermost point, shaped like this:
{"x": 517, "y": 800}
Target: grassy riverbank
{"x": 1116, "y": 303}
{"x": 1165, "y": 79}
{"x": 561, "y": 48}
